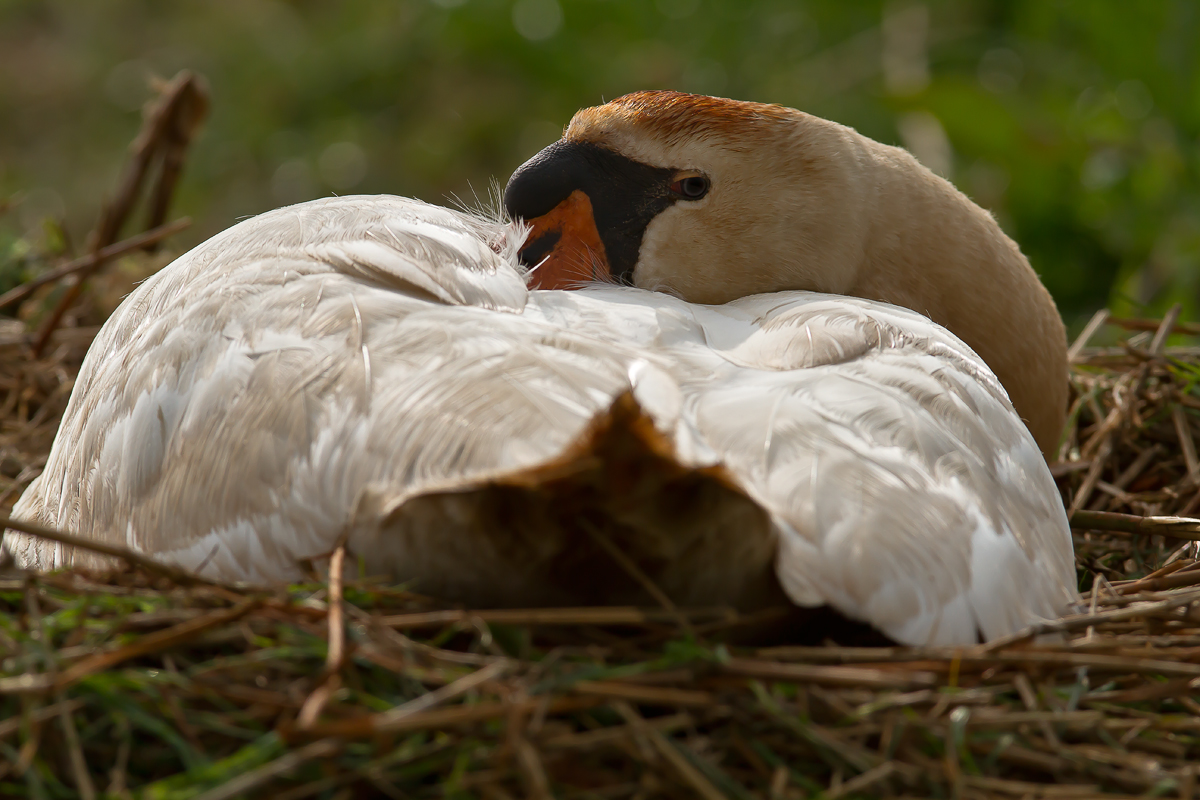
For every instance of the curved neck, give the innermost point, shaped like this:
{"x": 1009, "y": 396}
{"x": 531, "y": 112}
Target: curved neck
{"x": 932, "y": 250}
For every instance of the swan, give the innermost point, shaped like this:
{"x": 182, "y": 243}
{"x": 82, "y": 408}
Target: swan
{"x": 387, "y": 371}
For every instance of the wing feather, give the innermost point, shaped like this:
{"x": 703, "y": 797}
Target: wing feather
{"x": 927, "y": 510}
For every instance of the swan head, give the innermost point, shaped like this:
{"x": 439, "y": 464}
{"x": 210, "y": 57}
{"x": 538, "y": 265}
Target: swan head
{"x": 713, "y": 199}
{"x": 687, "y": 194}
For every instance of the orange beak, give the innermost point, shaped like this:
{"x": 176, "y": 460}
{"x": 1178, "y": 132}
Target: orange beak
{"x": 564, "y": 247}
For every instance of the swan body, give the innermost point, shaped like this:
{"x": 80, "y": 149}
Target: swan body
{"x": 378, "y": 367}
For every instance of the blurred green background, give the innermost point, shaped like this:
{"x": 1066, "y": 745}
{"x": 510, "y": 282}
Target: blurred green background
{"x": 1076, "y": 123}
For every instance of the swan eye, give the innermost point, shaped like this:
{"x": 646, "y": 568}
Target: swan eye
{"x": 691, "y": 187}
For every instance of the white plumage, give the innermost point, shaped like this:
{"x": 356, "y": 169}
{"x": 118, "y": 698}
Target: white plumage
{"x": 378, "y": 363}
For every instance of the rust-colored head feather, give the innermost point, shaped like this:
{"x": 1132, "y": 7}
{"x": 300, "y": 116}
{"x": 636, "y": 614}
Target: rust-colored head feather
{"x": 673, "y": 117}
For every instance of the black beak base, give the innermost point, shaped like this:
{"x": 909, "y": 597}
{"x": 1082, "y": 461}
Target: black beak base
{"x": 625, "y": 195}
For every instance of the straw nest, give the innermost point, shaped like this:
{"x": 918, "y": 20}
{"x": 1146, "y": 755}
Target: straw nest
{"x": 148, "y": 683}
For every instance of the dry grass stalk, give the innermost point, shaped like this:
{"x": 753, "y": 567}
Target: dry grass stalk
{"x": 94, "y": 260}
{"x": 116, "y": 551}
{"x": 171, "y": 121}
{"x": 336, "y": 652}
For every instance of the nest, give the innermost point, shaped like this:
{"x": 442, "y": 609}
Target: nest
{"x": 146, "y": 682}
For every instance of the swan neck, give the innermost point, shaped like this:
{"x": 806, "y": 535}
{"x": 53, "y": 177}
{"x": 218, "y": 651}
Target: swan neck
{"x": 932, "y": 250}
